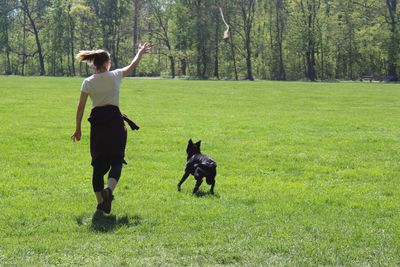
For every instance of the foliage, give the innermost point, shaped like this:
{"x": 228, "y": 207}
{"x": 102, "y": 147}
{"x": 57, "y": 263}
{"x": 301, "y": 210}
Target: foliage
{"x": 270, "y": 39}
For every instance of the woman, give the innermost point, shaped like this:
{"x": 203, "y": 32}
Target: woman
{"x": 107, "y": 130}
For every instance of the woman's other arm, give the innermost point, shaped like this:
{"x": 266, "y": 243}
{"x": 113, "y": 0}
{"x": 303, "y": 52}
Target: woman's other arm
{"x": 79, "y": 114}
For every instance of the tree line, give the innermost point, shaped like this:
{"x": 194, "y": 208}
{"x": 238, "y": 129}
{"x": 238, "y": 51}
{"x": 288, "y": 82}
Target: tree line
{"x": 268, "y": 39}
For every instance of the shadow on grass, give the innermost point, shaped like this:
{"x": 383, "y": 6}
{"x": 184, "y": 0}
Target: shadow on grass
{"x": 201, "y": 193}
{"x": 108, "y": 223}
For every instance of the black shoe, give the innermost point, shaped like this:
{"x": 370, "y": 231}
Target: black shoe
{"x": 99, "y": 210}
{"x": 107, "y": 196}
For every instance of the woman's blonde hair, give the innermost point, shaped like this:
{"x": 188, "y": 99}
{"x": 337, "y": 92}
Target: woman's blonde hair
{"x": 94, "y": 57}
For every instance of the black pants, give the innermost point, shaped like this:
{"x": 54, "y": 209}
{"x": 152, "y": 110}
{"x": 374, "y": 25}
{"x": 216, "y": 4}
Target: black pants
{"x": 100, "y": 169}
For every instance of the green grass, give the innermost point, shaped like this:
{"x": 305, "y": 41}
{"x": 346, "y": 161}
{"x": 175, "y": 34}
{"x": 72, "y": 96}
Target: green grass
{"x": 308, "y": 174}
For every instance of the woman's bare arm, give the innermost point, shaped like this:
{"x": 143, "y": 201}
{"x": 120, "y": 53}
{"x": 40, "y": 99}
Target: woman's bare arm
{"x": 79, "y": 115}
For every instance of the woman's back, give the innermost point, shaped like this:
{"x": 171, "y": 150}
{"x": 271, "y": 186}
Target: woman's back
{"x": 103, "y": 88}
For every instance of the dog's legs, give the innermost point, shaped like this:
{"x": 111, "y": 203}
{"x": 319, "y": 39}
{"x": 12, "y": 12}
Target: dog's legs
{"x": 184, "y": 177}
{"x": 198, "y": 183}
{"x": 212, "y": 187}
{"x": 211, "y": 180}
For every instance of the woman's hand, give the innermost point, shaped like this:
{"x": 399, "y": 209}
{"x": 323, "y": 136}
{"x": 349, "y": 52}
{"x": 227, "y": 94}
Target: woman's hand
{"x": 76, "y": 136}
{"x": 144, "y": 48}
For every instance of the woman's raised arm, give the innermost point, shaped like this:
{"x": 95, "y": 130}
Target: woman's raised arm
{"x": 145, "y": 48}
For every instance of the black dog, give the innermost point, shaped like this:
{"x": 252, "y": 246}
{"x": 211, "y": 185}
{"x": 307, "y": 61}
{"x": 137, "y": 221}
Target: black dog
{"x": 200, "y": 166}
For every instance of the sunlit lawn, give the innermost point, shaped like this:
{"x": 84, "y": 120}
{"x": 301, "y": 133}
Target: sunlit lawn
{"x": 308, "y": 174}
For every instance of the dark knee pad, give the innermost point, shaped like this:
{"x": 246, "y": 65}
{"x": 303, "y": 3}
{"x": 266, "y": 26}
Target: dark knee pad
{"x": 115, "y": 171}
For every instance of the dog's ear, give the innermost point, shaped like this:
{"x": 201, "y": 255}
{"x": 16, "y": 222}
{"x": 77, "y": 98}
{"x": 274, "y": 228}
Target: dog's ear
{"x": 198, "y": 144}
{"x": 190, "y": 142}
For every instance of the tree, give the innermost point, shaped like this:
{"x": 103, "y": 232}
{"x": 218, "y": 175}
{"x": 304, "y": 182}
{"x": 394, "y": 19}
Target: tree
{"x": 162, "y": 14}
{"x": 277, "y": 23}
{"x": 137, "y": 6}
{"x": 57, "y": 36}
{"x": 392, "y": 20}
{"x": 4, "y": 37}
{"x": 309, "y": 10}
{"x": 216, "y": 17}
{"x": 71, "y": 39}
{"x": 181, "y": 29}
{"x": 34, "y": 10}
{"x": 202, "y": 30}
{"x": 269, "y": 39}
{"x": 230, "y": 14}
{"x": 86, "y": 31}
{"x": 247, "y": 11}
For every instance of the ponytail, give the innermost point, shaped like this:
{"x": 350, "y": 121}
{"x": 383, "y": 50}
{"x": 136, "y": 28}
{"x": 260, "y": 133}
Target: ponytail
{"x": 94, "y": 57}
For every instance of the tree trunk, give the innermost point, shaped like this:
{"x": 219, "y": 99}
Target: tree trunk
{"x": 204, "y": 61}
{"x": 8, "y": 64}
{"x": 310, "y": 56}
{"x": 27, "y": 11}
{"x": 4, "y": 36}
{"x": 279, "y": 32}
{"x": 163, "y": 24}
{"x": 271, "y": 44}
{"x": 393, "y": 49}
{"x": 322, "y": 73}
{"x": 248, "y": 58}
{"x": 7, "y": 45}
{"x": 310, "y": 17}
{"x": 71, "y": 41}
{"x": 311, "y": 48}
{"x": 39, "y": 47}
{"x": 172, "y": 65}
{"x": 199, "y": 38}
{"x": 183, "y": 66}
{"x": 233, "y": 57}
{"x": 135, "y": 24}
{"x": 23, "y": 46}
{"x": 136, "y": 12}
{"x": 116, "y": 47}
{"x": 350, "y": 34}
{"x": 216, "y": 47}
{"x": 248, "y": 9}
{"x": 170, "y": 56}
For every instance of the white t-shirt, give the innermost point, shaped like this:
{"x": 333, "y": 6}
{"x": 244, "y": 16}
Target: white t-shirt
{"x": 103, "y": 88}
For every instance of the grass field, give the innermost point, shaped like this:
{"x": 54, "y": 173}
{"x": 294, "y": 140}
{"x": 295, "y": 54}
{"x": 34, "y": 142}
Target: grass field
{"x": 308, "y": 174}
